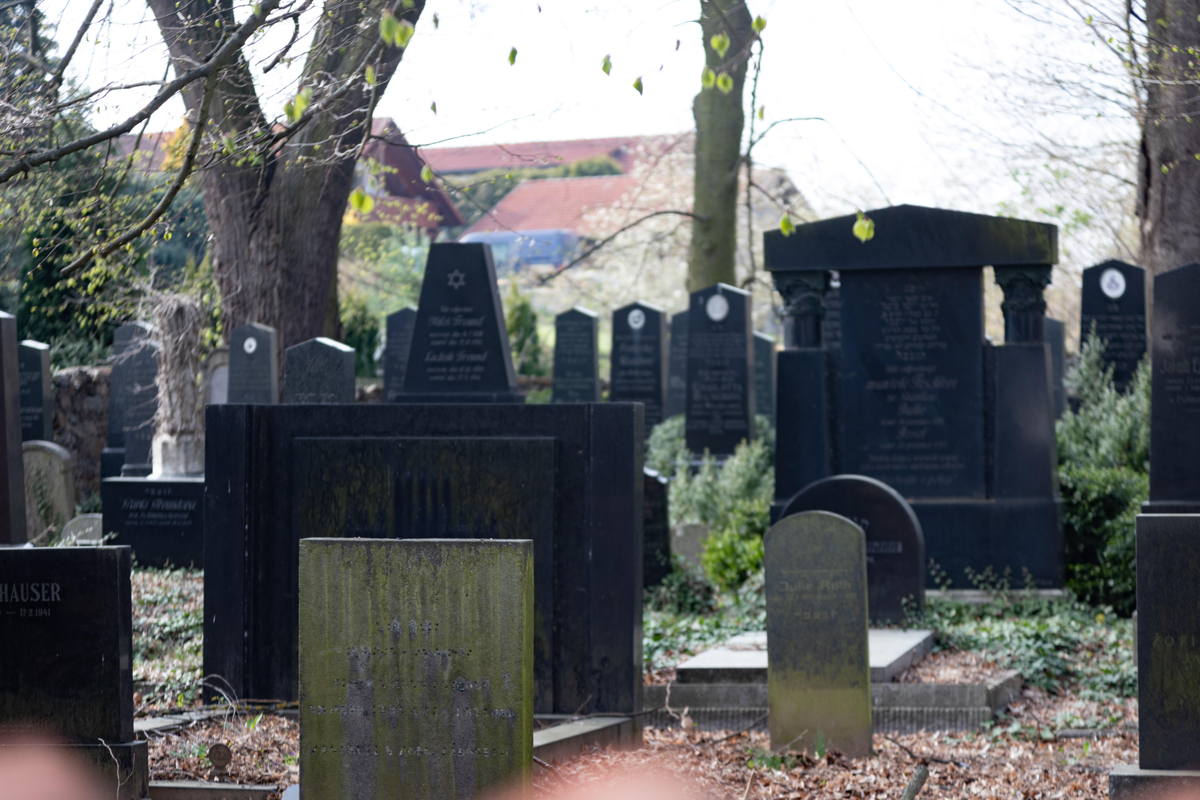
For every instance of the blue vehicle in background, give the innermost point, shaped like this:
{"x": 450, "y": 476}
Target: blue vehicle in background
{"x": 513, "y": 251}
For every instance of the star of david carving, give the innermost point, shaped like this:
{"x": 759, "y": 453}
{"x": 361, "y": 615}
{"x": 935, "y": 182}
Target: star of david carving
{"x": 457, "y": 279}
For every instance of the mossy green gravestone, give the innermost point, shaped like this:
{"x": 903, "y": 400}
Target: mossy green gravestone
{"x": 416, "y": 667}
{"x": 818, "y": 673}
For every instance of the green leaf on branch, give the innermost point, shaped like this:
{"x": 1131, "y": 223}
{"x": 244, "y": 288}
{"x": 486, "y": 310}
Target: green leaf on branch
{"x": 437, "y": 21}
{"x": 708, "y": 78}
{"x": 427, "y": 174}
{"x": 758, "y": 24}
{"x": 388, "y": 25}
{"x": 295, "y": 108}
{"x": 720, "y": 44}
{"x": 786, "y": 226}
{"x": 725, "y": 82}
{"x": 370, "y": 75}
{"x": 433, "y": 106}
{"x": 361, "y": 202}
{"x": 637, "y": 84}
{"x": 512, "y": 56}
{"x": 606, "y": 65}
{"x": 864, "y": 228}
{"x": 405, "y": 33}
{"x": 409, "y": 4}
{"x": 762, "y": 112}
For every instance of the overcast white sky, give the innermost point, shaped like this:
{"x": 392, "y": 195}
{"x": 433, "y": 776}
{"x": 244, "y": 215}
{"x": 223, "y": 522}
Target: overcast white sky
{"x": 904, "y": 87}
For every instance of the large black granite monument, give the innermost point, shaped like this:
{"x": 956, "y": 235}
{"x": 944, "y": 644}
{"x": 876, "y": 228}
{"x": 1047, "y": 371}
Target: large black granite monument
{"x": 576, "y": 364}
{"x": 395, "y": 351}
{"x": 639, "y": 358}
{"x": 37, "y": 393}
{"x": 12, "y": 471}
{"x": 720, "y": 374}
{"x": 253, "y": 364}
{"x": 1114, "y": 302}
{"x": 914, "y": 395}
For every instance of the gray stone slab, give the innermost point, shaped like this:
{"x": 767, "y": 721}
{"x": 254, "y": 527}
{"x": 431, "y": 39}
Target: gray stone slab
{"x": 1134, "y": 783}
{"x": 319, "y": 370}
{"x": 49, "y": 488}
{"x": 559, "y": 743}
{"x": 37, "y": 392}
{"x": 743, "y": 659}
{"x": 204, "y": 790}
{"x": 253, "y": 364}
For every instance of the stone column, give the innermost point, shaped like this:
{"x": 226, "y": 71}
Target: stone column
{"x": 1024, "y": 304}
{"x": 803, "y": 293}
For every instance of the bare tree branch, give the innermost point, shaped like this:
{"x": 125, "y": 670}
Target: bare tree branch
{"x": 579, "y": 259}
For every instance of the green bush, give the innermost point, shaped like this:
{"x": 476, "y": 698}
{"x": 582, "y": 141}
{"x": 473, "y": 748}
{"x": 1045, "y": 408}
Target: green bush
{"x": 666, "y": 446}
{"x": 360, "y": 330}
{"x": 734, "y": 552}
{"x": 529, "y": 358}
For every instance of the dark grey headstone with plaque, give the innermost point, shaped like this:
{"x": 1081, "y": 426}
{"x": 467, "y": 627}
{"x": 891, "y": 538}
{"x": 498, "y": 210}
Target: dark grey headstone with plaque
{"x": 638, "y": 360}
{"x": 12, "y": 472}
{"x": 720, "y": 396}
{"x": 400, "y": 326}
{"x": 160, "y": 519}
{"x": 37, "y": 392}
{"x": 253, "y": 364}
{"x": 460, "y": 350}
{"x": 126, "y": 338}
{"x": 1114, "y": 303}
{"x": 66, "y": 621}
{"x": 318, "y": 371}
{"x": 419, "y": 682}
{"x": 141, "y": 372}
{"x": 677, "y": 366}
{"x": 818, "y": 674}
{"x": 764, "y": 376}
{"x": 576, "y": 363}
{"x": 895, "y": 544}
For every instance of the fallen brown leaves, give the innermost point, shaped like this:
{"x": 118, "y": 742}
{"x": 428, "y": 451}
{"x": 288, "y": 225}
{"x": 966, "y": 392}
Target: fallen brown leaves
{"x": 265, "y": 749}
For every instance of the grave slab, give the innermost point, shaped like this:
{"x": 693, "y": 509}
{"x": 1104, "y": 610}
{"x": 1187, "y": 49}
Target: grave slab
{"x": 37, "y": 392}
{"x": 12, "y": 472}
{"x": 395, "y": 351}
{"x": 253, "y": 364}
{"x": 161, "y": 519}
{"x": 1113, "y": 302}
{"x": 720, "y": 371}
{"x": 318, "y": 371}
{"x": 639, "y": 359}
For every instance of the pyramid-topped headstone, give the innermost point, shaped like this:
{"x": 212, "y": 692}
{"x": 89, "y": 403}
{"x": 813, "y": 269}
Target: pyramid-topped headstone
{"x": 395, "y": 351}
{"x": 460, "y": 350}
{"x": 253, "y": 364}
{"x": 12, "y": 473}
{"x": 576, "y": 376}
{"x": 37, "y": 394}
{"x": 318, "y": 371}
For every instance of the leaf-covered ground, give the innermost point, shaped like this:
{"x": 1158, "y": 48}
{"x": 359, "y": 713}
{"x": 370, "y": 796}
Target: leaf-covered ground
{"x": 168, "y": 617}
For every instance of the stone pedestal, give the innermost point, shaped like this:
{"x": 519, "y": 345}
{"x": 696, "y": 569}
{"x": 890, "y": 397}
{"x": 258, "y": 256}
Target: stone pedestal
{"x": 161, "y": 519}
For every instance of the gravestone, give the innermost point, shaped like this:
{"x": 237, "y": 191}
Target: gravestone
{"x": 318, "y": 371}
{"x": 253, "y": 364}
{"x": 84, "y": 529}
{"x": 568, "y": 476}
{"x": 142, "y": 406}
{"x": 460, "y": 351}
{"x": 895, "y": 544}
{"x": 677, "y": 366}
{"x": 913, "y": 394}
{"x": 49, "y": 488}
{"x": 127, "y": 338}
{"x": 1114, "y": 302}
{"x": 764, "y": 376}
{"x": 395, "y": 351}
{"x": 720, "y": 375}
{"x": 66, "y": 621}
{"x": 818, "y": 673}
{"x": 12, "y": 473}
{"x": 37, "y": 392}
{"x": 419, "y": 682}
{"x": 216, "y": 377}
{"x": 1175, "y": 393}
{"x": 160, "y": 519}
{"x": 1056, "y": 342}
{"x": 638, "y": 357}
{"x": 656, "y": 528}
{"x": 576, "y": 368}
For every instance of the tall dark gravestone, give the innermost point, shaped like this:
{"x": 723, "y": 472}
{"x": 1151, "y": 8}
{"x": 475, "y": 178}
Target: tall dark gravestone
{"x": 913, "y": 394}
{"x": 126, "y": 338}
{"x": 141, "y": 393}
{"x": 1114, "y": 302}
{"x": 656, "y": 528}
{"x": 764, "y": 376}
{"x": 253, "y": 364}
{"x": 12, "y": 471}
{"x": 677, "y": 366}
{"x": 639, "y": 357}
{"x": 895, "y": 543}
{"x": 567, "y": 476}
{"x": 395, "y": 351}
{"x": 576, "y": 367}
{"x": 1056, "y": 341}
{"x": 418, "y": 684}
{"x": 460, "y": 351}
{"x": 818, "y": 670}
{"x": 37, "y": 392}
{"x": 318, "y": 371}
{"x": 66, "y": 621}
{"x": 720, "y": 396}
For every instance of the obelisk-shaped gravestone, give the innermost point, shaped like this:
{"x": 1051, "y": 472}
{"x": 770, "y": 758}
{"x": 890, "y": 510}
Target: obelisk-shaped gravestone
{"x": 395, "y": 351}
{"x": 720, "y": 376}
{"x": 12, "y": 473}
{"x": 677, "y": 366}
{"x": 460, "y": 351}
{"x": 576, "y": 375}
{"x": 253, "y": 364}
{"x": 120, "y": 388}
{"x": 764, "y": 376}
{"x": 37, "y": 393}
{"x": 639, "y": 355}
{"x": 1114, "y": 303}
{"x": 416, "y": 667}
{"x": 818, "y": 672}
{"x": 318, "y": 371}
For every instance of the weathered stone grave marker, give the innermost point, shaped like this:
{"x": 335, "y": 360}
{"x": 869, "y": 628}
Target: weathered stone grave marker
{"x": 400, "y": 326}
{"x": 66, "y": 621}
{"x": 216, "y": 377}
{"x": 126, "y": 338}
{"x": 764, "y": 376}
{"x": 576, "y": 364}
{"x": 639, "y": 354}
{"x": 1114, "y": 302}
{"x": 416, "y": 673}
{"x": 253, "y": 364}
{"x": 49, "y": 488}
{"x": 895, "y": 544}
{"x": 37, "y": 393}
{"x": 818, "y": 671}
{"x": 677, "y": 366}
{"x": 140, "y": 390}
{"x": 12, "y": 473}
{"x": 318, "y": 371}
{"x": 720, "y": 373}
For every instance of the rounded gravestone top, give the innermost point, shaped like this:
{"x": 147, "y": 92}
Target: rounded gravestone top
{"x": 895, "y": 541}
{"x": 220, "y": 755}
{"x": 84, "y": 529}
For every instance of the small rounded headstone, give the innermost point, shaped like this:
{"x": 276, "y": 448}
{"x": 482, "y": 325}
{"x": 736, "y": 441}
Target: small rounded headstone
{"x": 85, "y": 529}
{"x": 220, "y": 755}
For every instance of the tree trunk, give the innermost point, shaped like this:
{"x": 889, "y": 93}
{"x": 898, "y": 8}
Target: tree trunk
{"x": 719, "y": 122}
{"x": 1169, "y": 175}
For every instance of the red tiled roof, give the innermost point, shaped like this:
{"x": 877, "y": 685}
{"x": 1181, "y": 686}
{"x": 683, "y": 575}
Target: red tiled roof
{"x": 553, "y": 204}
{"x": 450, "y": 160}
